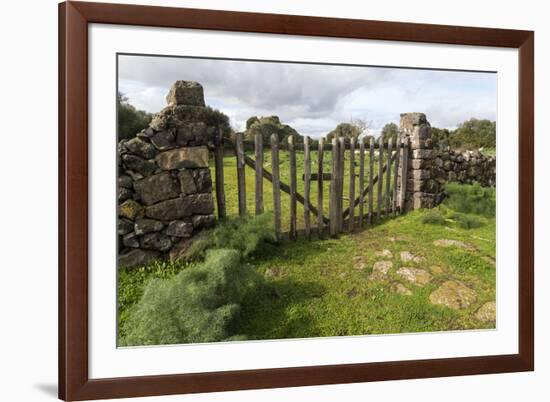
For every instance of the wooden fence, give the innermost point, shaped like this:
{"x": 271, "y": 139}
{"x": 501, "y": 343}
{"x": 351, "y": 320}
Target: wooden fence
{"x": 346, "y": 212}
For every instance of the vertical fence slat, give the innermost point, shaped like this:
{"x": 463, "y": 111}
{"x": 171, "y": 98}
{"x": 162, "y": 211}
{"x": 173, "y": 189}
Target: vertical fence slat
{"x": 320, "y": 223}
{"x": 395, "y": 171}
{"x": 380, "y": 176}
{"x": 307, "y": 181}
{"x": 371, "y": 179}
{"x": 259, "y": 180}
{"x": 361, "y": 179}
{"x": 276, "y": 181}
{"x": 341, "y": 171}
{"x": 333, "y": 199}
{"x": 388, "y": 178}
{"x": 351, "y": 184}
{"x": 241, "y": 181}
{"x": 218, "y": 160}
{"x": 292, "y": 159}
{"x": 404, "y": 173}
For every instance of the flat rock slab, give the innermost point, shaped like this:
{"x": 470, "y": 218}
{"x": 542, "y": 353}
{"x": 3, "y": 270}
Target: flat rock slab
{"x": 453, "y": 294}
{"x": 136, "y": 258}
{"x": 487, "y": 312}
{"x": 401, "y": 289}
{"x": 384, "y": 254}
{"x": 407, "y": 256}
{"x": 415, "y": 275}
{"x": 359, "y": 263}
{"x": 453, "y": 243}
{"x": 380, "y": 270}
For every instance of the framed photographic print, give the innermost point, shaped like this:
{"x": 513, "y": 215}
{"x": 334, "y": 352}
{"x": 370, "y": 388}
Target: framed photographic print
{"x": 260, "y": 200}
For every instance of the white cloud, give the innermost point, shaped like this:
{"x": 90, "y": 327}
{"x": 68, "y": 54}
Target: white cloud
{"x": 313, "y": 98}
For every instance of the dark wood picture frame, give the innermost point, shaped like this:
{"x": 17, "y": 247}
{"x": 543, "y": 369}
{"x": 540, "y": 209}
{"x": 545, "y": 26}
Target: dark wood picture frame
{"x": 74, "y": 382}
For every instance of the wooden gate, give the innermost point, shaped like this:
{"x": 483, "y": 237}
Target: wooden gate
{"x": 361, "y": 208}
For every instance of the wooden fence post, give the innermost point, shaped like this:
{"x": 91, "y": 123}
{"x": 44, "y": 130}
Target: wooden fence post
{"x": 333, "y": 199}
{"x": 380, "y": 176}
{"x": 361, "y": 179}
{"x": 351, "y": 183}
{"x": 320, "y": 152}
{"x": 218, "y": 160}
{"x": 388, "y": 179}
{"x": 241, "y": 182}
{"x": 276, "y": 183}
{"x": 307, "y": 181}
{"x": 371, "y": 179}
{"x": 259, "y": 180}
{"x": 292, "y": 158}
{"x": 404, "y": 173}
{"x": 341, "y": 171}
{"x": 395, "y": 174}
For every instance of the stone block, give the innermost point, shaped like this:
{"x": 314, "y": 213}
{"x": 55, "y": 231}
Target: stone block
{"x": 191, "y": 157}
{"x": 158, "y": 187}
{"x": 185, "y": 93}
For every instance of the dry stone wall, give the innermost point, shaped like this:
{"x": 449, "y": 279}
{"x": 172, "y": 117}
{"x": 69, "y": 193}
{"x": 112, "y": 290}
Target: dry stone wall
{"x": 429, "y": 169}
{"x": 164, "y": 183}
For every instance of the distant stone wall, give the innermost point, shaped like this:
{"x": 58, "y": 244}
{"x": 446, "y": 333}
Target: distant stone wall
{"x": 164, "y": 184}
{"x": 464, "y": 167}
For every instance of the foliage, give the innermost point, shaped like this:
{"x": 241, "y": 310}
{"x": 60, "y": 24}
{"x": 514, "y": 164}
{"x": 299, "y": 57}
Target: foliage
{"x": 467, "y": 221}
{"x": 471, "y": 199}
{"x": 390, "y": 130}
{"x": 346, "y": 130}
{"x": 130, "y": 120}
{"x": 200, "y": 304}
{"x": 474, "y": 134}
{"x": 215, "y": 118}
{"x": 246, "y": 235}
{"x": 433, "y": 217}
{"x": 440, "y": 137}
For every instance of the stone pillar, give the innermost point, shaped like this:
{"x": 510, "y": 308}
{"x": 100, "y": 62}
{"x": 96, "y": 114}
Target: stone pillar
{"x": 422, "y": 190}
{"x": 164, "y": 183}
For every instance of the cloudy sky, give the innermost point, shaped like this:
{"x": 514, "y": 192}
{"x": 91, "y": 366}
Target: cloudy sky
{"x": 313, "y": 98}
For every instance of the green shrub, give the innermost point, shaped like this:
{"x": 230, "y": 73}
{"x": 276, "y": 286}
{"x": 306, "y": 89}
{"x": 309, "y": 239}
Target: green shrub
{"x": 199, "y": 304}
{"x": 467, "y": 221}
{"x": 471, "y": 199}
{"x": 432, "y": 218}
{"x": 245, "y": 234}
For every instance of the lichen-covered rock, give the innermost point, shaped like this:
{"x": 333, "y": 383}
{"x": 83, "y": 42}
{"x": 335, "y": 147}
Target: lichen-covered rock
{"x": 130, "y": 240}
{"x": 167, "y": 210}
{"x": 124, "y": 194}
{"x": 401, "y": 289}
{"x": 139, "y": 165}
{"x": 164, "y": 140}
{"x": 453, "y": 243}
{"x": 179, "y": 229}
{"x": 192, "y": 133}
{"x": 415, "y": 275}
{"x": 380, "y": 270}
{"x": 453, "y": 294}
{"x": 143, "y": 226}
{"x": 203, "y": 221}
{"x": 158, "y": 187}
{"x": 141, "y": 148}
{"x": 383, "y": 253}
{"x": 185, "y": 93}
{"x": 203, "y": 180}
{"x": 131, "y": 209}
{"x": 124, "y": 226}
{"x": 125, "y": 181}
{"x": 407, "y": 256}
{"x": 136, "y": 258}
{"x": 487, "y": 312}
{"x": 191, "y": 157}
{"x": 156, "y": 241}
{"x": 187, "y": 182}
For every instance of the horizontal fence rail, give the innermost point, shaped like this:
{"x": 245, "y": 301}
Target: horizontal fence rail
{"x": 366, "y": 182}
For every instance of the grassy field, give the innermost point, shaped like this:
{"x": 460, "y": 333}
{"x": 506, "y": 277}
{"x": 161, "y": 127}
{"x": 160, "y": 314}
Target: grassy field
{"x": 323, "y": 287}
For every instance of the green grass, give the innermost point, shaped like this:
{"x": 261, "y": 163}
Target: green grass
{"x": 321, "y": 287}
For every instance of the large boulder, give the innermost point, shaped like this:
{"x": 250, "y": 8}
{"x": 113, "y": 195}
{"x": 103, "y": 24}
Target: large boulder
{"x": 185, "y": 93}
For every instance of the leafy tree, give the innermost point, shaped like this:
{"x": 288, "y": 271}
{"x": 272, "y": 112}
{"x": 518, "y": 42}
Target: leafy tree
{"x": 390, "y": 130}
{"x": 474, "y": 133}
{"x": 215, "y": 118}
{"x": 130, "y": 120}
{"x": 267, "y": 126}
{"x": 440, "y": 137}
{"x": 346, "y": 130}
